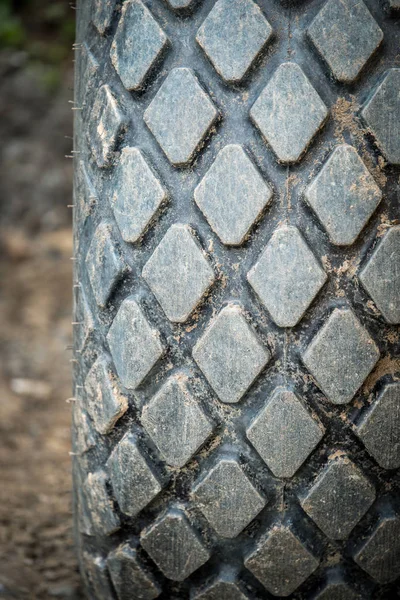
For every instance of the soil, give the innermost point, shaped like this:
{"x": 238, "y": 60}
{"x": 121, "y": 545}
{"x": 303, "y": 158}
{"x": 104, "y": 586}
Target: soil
{"x": 37, "y": 557}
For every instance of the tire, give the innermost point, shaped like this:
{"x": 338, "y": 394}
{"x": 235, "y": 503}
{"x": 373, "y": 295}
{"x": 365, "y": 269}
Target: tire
{"x": 236, "y": 429}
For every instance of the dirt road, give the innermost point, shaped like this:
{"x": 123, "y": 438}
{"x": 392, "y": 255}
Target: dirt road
{"x": 36, "y": 552}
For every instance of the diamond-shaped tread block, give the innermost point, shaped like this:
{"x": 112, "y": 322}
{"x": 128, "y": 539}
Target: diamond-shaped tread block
{"x": 88, "y": 67}
{"x": 232, "y": 36}
{"x": 129, "y": 576}
{"x": 337, "y": 591}
{"x": 180, "y": 4}
{"x": 83, "y": 506}
{"x": 338, "y": 498}
{"x": 138, "y": 194}
{"x": 85, "y": 194}
{"x": 178, "y": 273}
{"x": 175, "y": 546}
{"x": 83, "y": 438}
{"x": 222, "y": 589}
{"x": 175, "y": 422}
{"x": 381, "y": 114}
{"x": 135, "y": 346}
{"x": 288, "y": 112}
{"x": 287, "y": 276}
{"x": 232, "y": 195}
{"x": 341, "y": 356}
{"x": 104, "y": 519}
{"x": 346, "y": 35}
{"x": 227, "y": 498}
{"x": 281, "y": 562}
{"x": 104, "y": 263}
{"x": 180, "y": 116}
{"x": 133, "y": 56}
{"x": 107, "y": 126}
{"x": 95, "y": 576}
{"x": 230, "y": 354}
{"x": 104, "y": 402}
{"x": 84, "y": 331}
{"x": 381, "y": 276}
{"x": 133, "y": 479}
{"x": 284, "y": 433}
{"x": 379, "y": 428}
{"x": 102, "y": 11}
{"x": 379, "y": 556}
{"x": 343, "y": 195}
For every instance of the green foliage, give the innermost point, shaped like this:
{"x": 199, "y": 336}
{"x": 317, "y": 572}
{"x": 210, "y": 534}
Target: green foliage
{"x": 12, "y": 34}
{"x": 44, "y": 29}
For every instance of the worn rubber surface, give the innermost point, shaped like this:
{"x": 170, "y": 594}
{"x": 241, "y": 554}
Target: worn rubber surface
{"x": 237, "y": 285}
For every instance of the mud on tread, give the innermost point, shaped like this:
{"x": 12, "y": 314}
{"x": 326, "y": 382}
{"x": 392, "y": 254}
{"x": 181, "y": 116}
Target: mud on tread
{"x": 236, "y": 428}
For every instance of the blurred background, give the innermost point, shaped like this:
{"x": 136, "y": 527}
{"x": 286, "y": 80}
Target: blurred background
{"x": 36, "y": 87}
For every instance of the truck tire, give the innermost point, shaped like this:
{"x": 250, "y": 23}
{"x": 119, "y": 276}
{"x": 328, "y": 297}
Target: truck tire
{"x": 236, "y": 424}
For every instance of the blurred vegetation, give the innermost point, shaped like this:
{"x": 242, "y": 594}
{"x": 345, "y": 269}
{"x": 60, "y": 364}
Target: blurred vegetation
{"x": 42, "y": 29}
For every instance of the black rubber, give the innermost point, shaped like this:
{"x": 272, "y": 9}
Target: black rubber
{"x": 236, "y": 424}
